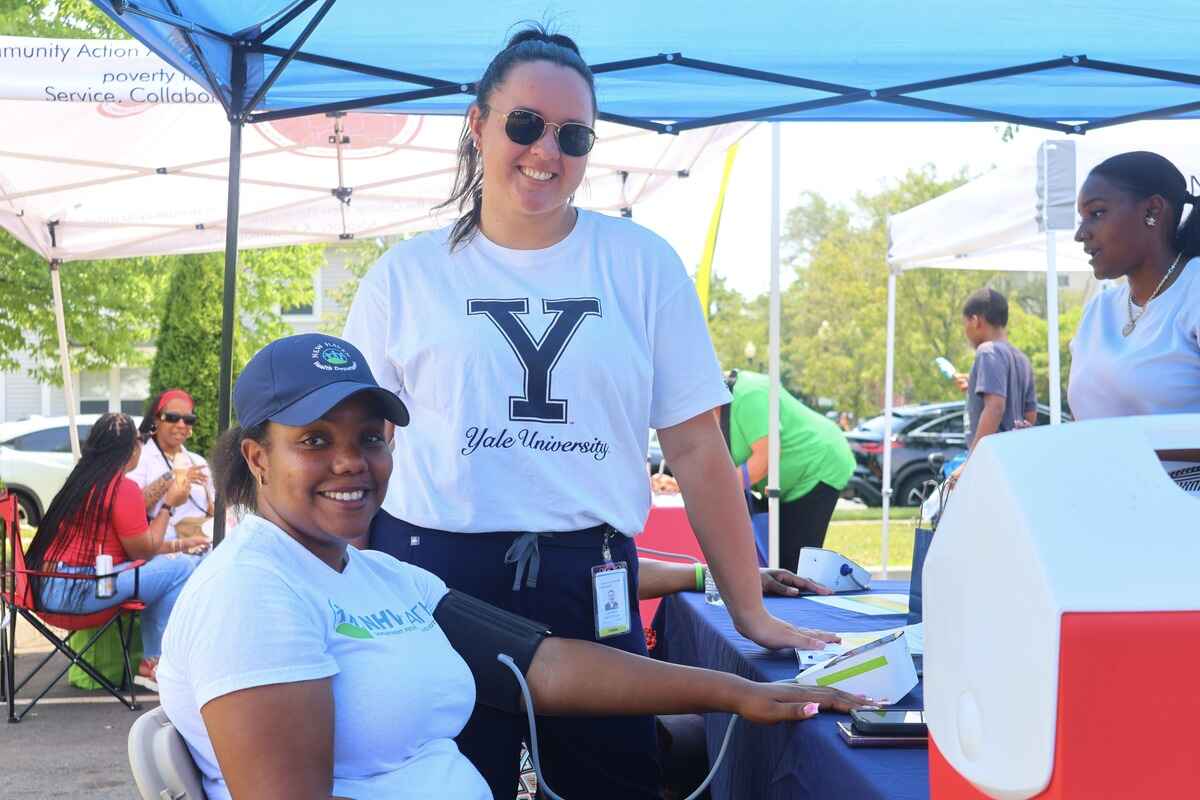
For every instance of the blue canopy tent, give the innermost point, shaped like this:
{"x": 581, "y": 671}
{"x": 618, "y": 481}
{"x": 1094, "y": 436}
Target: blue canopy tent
{"x": 1069, "y": 66}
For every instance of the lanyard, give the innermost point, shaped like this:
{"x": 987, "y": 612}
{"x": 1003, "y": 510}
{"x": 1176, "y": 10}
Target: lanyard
{"x": 171, "y": 468}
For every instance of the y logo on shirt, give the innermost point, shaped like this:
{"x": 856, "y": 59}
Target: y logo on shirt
{"x": 384, "y": 622}
{"x": 537, "y": 358}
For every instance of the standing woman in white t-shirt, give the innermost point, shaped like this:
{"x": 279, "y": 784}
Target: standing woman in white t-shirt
{"x": 167, "y": 424}
{"x": 1137, "y": 349}
{"x": 537, "y": 344}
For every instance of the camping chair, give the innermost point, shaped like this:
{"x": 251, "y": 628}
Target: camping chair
{"x": 162, "y": 767}
{"x": 18, "y": 600}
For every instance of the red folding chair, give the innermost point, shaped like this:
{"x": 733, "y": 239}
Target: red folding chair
{"x": 18, "y": 599}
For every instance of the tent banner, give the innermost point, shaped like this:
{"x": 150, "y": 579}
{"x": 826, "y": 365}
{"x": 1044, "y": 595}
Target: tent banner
{"x": 115, "y": 73}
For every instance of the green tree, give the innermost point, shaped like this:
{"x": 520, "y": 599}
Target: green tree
{"x": 189, "y": 340}
{"x": 112, "y": 308}
{"x": 357, "y": 257}
{"x": 738, "y": 325}
{"x": 63, "y": 19}
{"x": 1028, "y": 333}
{"x": 835, "y": 313}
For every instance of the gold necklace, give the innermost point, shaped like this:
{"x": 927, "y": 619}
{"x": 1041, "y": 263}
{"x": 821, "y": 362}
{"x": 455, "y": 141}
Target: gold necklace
{"x": 1129, "y": 326}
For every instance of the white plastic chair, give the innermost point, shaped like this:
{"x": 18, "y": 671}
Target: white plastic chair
{"x": 162, "y": 766}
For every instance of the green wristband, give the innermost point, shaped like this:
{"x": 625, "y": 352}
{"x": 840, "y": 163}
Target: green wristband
{"x": 699, "y": 577}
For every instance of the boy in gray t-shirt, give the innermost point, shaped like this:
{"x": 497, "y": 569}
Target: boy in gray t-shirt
{"x": 1000, "y": 393}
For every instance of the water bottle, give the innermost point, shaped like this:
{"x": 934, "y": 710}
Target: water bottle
{"x": 945, "y": 367}
{"x": 105, "y": 587}
{"x": 712, "y": 595}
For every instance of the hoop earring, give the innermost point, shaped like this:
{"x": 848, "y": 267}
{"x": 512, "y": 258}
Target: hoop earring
{"x": 1151, "y": 220}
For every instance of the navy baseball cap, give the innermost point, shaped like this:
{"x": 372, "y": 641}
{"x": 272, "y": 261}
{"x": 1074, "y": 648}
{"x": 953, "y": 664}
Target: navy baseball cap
{"x": 297, "y": 379}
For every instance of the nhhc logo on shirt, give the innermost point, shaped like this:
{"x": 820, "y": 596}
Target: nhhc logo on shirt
{"x": 384, "y": 622}
{"x": 537, "y": 359}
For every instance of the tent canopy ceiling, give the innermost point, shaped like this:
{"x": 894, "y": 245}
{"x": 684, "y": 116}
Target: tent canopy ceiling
{"x": 144, "y": 173}
{"x": 871, "y": 60}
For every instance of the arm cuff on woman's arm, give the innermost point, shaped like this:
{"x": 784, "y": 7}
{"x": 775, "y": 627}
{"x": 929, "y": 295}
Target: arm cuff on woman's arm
{"x": 479, "y": 632}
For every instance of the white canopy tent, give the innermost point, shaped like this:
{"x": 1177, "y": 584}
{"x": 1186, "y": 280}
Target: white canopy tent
{"x": 1013, "y": 219}
{"x": 115, "y": 154}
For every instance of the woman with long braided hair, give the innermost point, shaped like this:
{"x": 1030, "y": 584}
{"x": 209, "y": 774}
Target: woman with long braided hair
{"x": 100, "y": 511}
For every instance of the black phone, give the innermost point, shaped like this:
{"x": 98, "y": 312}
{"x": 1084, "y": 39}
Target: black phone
{"x": 888, "y": 722}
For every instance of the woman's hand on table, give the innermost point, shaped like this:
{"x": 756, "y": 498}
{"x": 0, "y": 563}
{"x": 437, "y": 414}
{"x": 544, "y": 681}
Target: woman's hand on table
{"x": 768, "y": 703}
{"x": 787, "y": 583}
{"x": 775, "y": 634}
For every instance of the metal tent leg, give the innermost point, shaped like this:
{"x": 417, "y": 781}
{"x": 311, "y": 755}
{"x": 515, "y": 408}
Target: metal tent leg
{"x": 225, "y": 379}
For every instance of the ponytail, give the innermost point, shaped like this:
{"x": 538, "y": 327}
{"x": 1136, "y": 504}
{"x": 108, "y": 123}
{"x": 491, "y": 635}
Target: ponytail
{"x": 1187, "y": 238}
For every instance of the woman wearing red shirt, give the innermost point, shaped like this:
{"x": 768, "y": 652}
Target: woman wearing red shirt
{"x": 97, "y": 511}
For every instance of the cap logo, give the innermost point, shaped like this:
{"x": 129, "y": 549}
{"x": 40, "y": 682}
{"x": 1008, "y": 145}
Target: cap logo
{"x": 333, "y": 357}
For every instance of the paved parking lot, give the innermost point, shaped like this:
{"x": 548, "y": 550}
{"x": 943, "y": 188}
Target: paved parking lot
{"x": 72, "y": 744}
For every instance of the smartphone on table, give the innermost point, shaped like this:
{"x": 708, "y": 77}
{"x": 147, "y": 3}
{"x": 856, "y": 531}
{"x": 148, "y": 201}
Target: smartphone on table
{"x": 888, "y": 722}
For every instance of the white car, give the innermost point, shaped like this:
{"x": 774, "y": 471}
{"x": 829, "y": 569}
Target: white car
{"x": 35, "y": 460}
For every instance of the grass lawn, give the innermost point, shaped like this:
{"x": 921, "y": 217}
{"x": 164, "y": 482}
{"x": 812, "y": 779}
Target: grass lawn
{"x": 867, "y": 513}
{"x": 860, "y": 540}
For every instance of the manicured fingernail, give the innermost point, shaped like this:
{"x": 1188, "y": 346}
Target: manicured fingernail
{"x": 811, "y": 709}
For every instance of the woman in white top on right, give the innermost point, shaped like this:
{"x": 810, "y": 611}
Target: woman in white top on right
{"x": 1137, "y": 349}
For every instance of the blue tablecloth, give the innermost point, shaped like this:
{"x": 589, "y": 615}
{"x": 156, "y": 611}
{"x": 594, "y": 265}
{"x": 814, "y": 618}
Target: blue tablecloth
{"x": 791, "y": 761}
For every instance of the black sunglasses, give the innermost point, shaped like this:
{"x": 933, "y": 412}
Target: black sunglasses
{"x": 525, "y": 127}
{"x": 172, "y": 417}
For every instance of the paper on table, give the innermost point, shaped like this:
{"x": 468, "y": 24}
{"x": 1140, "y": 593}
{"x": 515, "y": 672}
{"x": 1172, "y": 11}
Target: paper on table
{"x": 914, "y": 634}
{"x": 872, "y": 604}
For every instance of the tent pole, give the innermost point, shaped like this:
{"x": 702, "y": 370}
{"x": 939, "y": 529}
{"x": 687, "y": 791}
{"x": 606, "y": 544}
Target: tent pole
{"x": 773, "y": 392}
{"x": 1052, "y": 327}
{"x": 64, "y": 356}
{"x": 888, "y": 381}
{"x": 1055, "y": 375}
{"x": 225, "y": 378}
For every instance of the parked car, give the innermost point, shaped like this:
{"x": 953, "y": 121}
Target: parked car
{"x": 917, "y": 432}
{"x": 35, "y": 460}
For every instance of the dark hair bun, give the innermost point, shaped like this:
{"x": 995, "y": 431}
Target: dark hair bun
{"x": 537, "y": 33}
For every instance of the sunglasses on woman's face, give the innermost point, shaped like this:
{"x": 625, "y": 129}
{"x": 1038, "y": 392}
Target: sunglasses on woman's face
{"x": 525, "y": 127}
{"x": 171, "y": 417}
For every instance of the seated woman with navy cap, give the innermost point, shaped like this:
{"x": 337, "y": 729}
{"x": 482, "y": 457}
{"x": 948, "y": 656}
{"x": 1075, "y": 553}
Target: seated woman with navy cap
{"x": 296, "y": 667}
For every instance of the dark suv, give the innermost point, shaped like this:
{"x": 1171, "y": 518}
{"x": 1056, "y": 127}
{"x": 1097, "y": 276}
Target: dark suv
{"x": 917, "y": 431}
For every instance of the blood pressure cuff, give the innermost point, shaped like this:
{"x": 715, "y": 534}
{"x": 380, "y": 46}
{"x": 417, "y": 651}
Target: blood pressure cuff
{"x": 479, "y": 632}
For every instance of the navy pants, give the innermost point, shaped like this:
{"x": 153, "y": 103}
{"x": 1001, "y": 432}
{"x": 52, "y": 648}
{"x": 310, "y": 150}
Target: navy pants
{"x": 582, "y": 757}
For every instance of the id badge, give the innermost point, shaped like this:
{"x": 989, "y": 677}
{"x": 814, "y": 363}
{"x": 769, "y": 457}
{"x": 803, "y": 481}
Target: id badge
{"x": 610, "y": 596}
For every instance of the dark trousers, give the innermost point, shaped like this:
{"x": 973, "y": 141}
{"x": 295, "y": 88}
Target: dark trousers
{"x": 582, "y": 757}
{"x": 803, "y": 522}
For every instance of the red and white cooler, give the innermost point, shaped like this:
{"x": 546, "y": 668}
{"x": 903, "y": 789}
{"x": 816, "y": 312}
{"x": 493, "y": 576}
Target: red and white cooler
{"x": 1062, "y": 618}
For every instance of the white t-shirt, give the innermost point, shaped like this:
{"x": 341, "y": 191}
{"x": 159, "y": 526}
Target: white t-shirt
{"x": 533, "y": 376}
{"x": 151, "y": 465}
{"x": 1155, "y": 370}
{"x": 262, "y": 609}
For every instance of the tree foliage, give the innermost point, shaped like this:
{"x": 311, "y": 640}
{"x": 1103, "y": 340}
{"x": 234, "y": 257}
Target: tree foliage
{"x": 358, "y": 257}
{"x": 111, "y": 308}
{"x": 189, "y": 341}
{"x": 62, "y": 19}
{"x": 834, "y": 315}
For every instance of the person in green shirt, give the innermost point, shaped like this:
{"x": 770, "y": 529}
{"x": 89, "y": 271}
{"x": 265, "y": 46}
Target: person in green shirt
{"x": 815, "y": 461}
